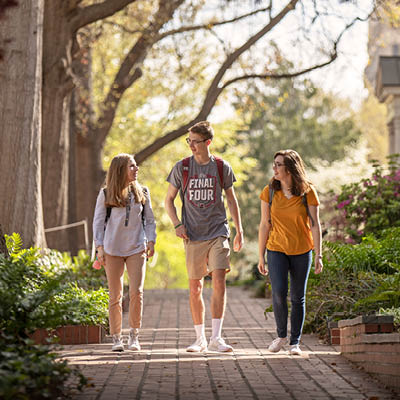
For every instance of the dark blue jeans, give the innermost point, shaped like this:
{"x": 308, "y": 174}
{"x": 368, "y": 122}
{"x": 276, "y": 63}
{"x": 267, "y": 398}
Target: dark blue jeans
{"x": 280, "y": 266}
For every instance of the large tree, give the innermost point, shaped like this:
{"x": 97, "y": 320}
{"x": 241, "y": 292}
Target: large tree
{"x": 63, "y": 20}
{"x": 20, "y": 121}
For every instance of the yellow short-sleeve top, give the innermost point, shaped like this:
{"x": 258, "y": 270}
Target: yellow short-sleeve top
{"x": 290, "y": 232}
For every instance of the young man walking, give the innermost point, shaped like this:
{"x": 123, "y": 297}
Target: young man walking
{"x": 204, "y": 228}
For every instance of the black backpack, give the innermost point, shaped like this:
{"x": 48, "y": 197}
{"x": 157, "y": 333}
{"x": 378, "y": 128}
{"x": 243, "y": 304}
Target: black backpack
{"x": 109, "y": 209}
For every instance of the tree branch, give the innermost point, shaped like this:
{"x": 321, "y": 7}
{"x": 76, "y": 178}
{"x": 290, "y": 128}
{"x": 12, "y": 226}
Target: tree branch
{"x": 130, "y": 71}
{"x": 183, "y": 29}
{"x": 210, "y": 24}
{"x": 282, "y": 76}
{"x": 95, "y": 12}
{"x": 214, "y": 89}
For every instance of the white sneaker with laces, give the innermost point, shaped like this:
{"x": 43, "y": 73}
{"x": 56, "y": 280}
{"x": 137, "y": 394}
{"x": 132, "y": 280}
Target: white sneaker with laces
{"x": 118, "y": 344}
{"x": 133, "y": 341}
{"x": 198, "y": 346}
{"x": 218, "y": 344}
{"x": 277, "y": 344}
{"x": 295, "y": 350}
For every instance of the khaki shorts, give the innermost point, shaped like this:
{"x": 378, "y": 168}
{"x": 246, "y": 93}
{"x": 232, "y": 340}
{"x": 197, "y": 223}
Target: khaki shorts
{"x": 205, "y": 256}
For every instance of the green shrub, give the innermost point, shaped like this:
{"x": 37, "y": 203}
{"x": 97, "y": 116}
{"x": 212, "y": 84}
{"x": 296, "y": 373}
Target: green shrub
{"x": 395, "y": 311}
{"x": 372, "y": 204}
{"x": 77, "y": 270}
{"x": 84, "y": 274}
{"x": 24, "y": 287}
{"x": 357, "y": 279}
{"x": 372, "y": 254}
{"x": 30, "y": 372}
{"x": 74, "y": 306}
{"x": 36, "y": 294}
{"x": 28, "y": 291}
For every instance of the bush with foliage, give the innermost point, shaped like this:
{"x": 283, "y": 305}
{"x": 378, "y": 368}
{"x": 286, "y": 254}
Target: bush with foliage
{"x": 28, "y": 292}
{"x": 77, "y": 269}
{"x": 77, "y": 306}
{"x": 35, "y": 295}
{"x": 372, "y": 204}
{"x": 357, "y": 279}
{"x": 29, "y": 372}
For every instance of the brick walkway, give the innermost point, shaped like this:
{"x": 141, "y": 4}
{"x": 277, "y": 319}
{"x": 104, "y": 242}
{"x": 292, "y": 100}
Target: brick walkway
{"x": 164, "y": 370}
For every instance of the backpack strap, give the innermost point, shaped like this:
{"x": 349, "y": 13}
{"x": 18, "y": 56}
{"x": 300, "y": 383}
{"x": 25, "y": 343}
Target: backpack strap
{"x": 146, "y": 192}
{"x": 185, "y": 173}
{"x": 220, "y": 166}
{"x": 270, "y": 197}
{"x": 108, "y": 210}
{"x": 304, "y": 201}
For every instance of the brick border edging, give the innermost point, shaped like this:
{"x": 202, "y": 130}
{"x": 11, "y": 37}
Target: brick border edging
{"x": 366, "y": 319}
{"x": 371, "y": 343}
{"x": 71, "y": 334}
{"x": 374, "y": 324}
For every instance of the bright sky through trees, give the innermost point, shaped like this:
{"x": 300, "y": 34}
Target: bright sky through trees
{"x": 344, "y": 77}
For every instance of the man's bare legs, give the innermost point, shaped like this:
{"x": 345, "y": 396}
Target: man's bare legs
{"x": 218, "y": 299}
{"x": 196, "y": 300}
{"x": 218, "y": 302}
{"x": 198, "y": 310}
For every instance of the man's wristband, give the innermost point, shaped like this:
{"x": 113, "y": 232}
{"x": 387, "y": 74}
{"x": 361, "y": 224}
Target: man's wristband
{"x": 177, "y": 226}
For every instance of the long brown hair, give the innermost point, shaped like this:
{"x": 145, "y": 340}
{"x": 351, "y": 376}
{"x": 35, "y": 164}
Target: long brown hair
{"x": 295, "y": 167}
{"x": 117, "y": 176}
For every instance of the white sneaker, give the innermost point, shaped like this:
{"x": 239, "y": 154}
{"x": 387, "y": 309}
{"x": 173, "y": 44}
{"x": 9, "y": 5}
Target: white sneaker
{"x": 133, "y": 341}
{"x": 198, "y": 346}
{"x": 277, "y": 344}
{"x": 218, "y": 344}
{"x": 295, "y": 350}
{"x": 118, "y": 344}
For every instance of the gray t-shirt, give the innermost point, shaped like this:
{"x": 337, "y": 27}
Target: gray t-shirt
{"x": 203, "y": 211}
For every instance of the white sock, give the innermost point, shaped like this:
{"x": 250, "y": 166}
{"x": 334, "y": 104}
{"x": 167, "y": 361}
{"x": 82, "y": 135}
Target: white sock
{"x": 200, "y": 330}
{"x": 216, "y": 324}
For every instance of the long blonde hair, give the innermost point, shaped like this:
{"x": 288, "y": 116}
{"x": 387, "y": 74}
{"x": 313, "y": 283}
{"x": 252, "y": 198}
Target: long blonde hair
{"x": 116, "y": 189}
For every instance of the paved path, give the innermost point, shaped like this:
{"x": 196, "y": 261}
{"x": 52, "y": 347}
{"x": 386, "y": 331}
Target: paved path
{"x": 164, "y": 370}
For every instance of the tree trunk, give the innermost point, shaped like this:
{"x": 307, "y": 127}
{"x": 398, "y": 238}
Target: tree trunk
{"x": 20, "y": 119}
{"x": 62, "y": 19}
{"x": 57, "y": 86}
{"x": 86, "y": 171}
{"x": 89, "y": 176}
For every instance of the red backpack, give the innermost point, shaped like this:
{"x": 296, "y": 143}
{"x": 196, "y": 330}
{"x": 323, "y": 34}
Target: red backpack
{"x": 185, "y": 172}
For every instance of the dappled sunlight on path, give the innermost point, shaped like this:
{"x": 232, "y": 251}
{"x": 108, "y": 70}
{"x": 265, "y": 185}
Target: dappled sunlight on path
{"x": 164, "y": 370}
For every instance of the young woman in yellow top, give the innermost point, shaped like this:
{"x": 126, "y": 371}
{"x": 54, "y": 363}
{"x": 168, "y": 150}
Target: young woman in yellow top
{"x": 289, "y": 230}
